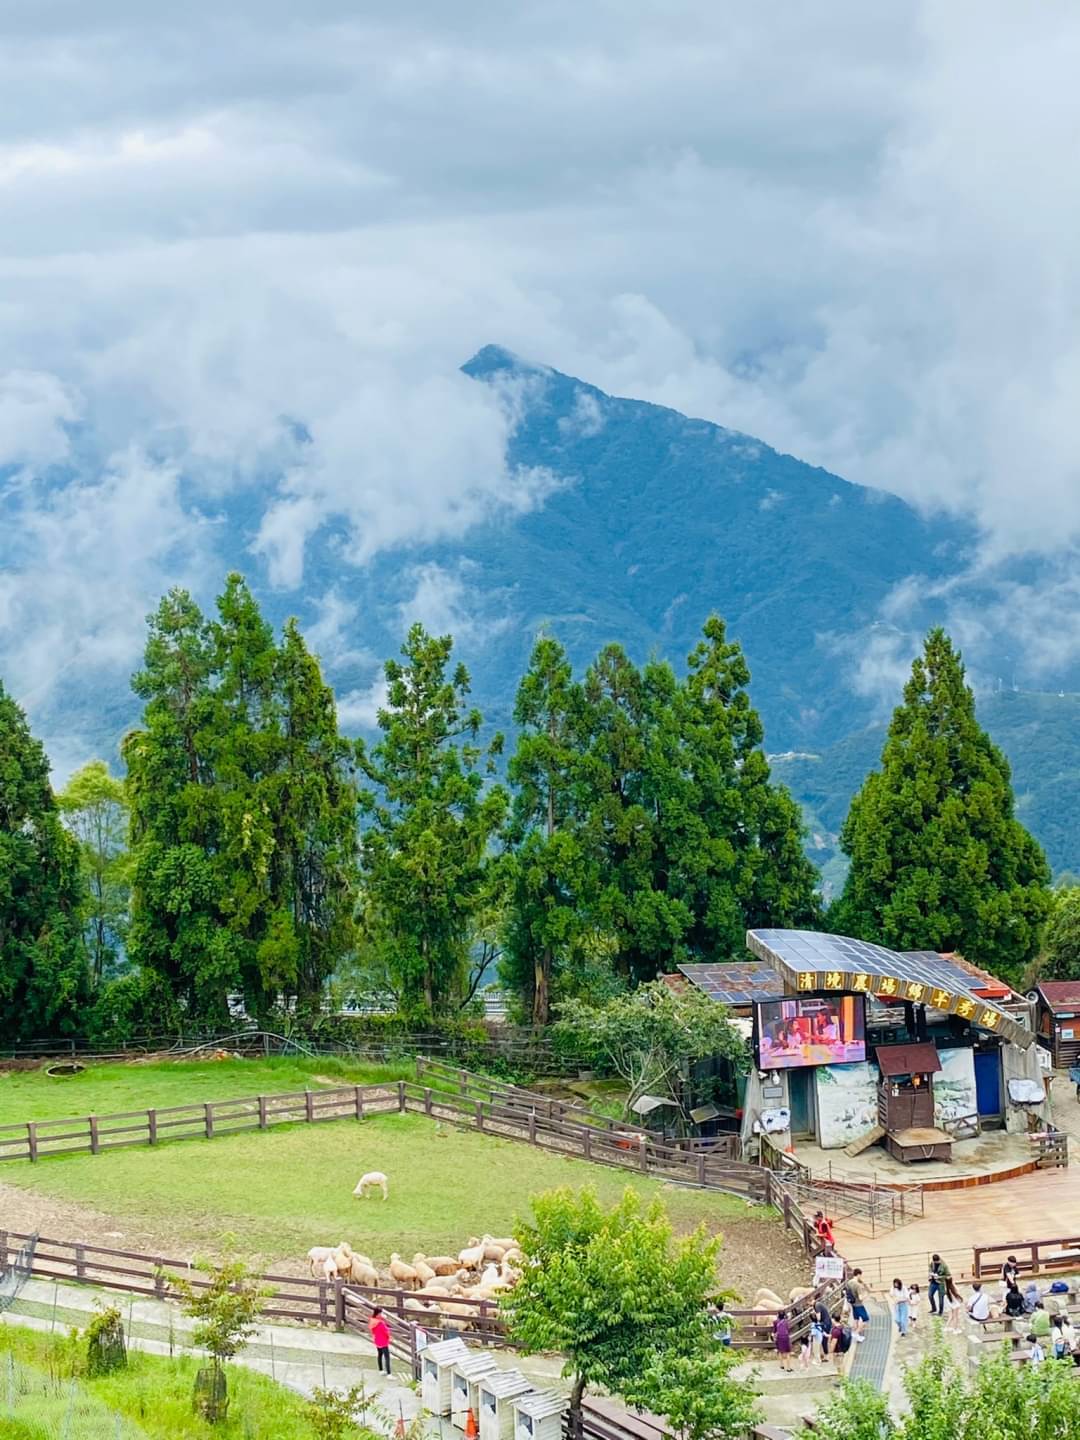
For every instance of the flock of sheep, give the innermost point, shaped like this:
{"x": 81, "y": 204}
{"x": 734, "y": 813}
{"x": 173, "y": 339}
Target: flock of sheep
{"x": 485, "y": 1269}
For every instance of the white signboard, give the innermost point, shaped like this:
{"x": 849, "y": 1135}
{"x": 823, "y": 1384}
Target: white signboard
{"x": 828, "y": 1267}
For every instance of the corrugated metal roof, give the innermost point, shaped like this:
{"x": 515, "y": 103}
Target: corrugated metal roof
{"x": 1061, "y": 994}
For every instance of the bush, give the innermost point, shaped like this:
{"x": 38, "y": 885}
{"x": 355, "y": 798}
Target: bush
{"x": 106, "y": 1350}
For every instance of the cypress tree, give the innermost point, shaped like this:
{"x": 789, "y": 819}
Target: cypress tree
{"x": 548, "y": 867}
{"x": 427, "y": 824}
{"x": 938, "y": 859}
{"x": 44, "y": 976}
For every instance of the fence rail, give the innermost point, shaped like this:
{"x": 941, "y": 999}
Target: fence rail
{"x": 1033, "y": 1256}
{"x": 585, "y": 1137}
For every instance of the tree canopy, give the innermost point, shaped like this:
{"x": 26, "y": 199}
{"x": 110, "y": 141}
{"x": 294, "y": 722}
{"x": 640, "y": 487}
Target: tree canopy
{"x": 94, "y": 806}
{"x": 612, "y": 1290}
{"x": 44, "y": 977}
{"x": 243, "y": 809}
{"x": 938, "y": 859}
{"x": 428, "y": 821}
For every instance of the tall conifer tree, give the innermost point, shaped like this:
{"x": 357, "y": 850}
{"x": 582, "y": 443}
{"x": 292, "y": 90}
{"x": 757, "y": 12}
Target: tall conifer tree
{"x": 44, "y": 977}
{"x": 938, "y": 859}
{"x": 427, "y": 823}
{"x": 548, "y": 868}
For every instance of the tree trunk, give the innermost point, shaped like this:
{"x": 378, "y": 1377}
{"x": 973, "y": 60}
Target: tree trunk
{"x": 575, "y": 1424}
{"x": 542, "y": 988}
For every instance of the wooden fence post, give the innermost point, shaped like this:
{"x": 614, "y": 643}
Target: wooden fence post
{"x": 208, "y": 1119}
{"x": 323, "y": 1313}
{"x": 532, "y": 1127}
{"x": 80, "y": 1262}
{"x": 427, "y": 1101}
{"x": 31, "y": 1139}
{"x": 401, "y": 1096}
{"x": 479, "y": 1114}
{"x": 309, "y": 1106}
{"x": 587, "y": 1144}
{"x": 151, "y": 1126}
{"x": 262, "y": 1112}
{"x": 339, "y": 1305}
{"x": 3, "y": 1251}
{"x": 359, "y": 1101}
{"x": 643, "y": 1154}
{"x": 701, "y": 1169}
{"x": 95, "y": 1145}
{"x": 159, "y": 1278}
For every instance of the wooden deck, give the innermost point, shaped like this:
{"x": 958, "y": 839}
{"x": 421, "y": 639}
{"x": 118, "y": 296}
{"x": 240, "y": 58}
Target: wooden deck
{"x": 1041, "y": 1204}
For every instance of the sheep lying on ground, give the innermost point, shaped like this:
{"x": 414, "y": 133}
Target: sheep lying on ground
{"x": 372, "y": 1181}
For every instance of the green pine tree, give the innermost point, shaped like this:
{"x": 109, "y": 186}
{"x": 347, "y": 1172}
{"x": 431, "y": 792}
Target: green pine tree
{"x": 427, "y": 824}
{"x": 243, "y": 811}
{"x": 44, "y": 977}
{"x": 95, "y": 810}
{"x": 938, "y": 859}
{"x": 549, "y": 874}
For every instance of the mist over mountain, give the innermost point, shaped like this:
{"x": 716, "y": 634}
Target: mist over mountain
{"x": 634, "y": 523}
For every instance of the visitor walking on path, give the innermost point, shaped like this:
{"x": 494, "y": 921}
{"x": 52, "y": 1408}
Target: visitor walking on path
{"x": 782, "y": 1340}
{"x": 954, "y": 1306}
{"x": 939, "y": 1273}
{"x": 900, "y": 1296}
{"x": 380, "y": 1334}
{"x": 859, "y": 1313}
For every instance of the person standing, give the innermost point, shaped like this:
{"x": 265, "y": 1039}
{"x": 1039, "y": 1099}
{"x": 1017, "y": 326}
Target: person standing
{"x": 859, "y": 1313}
{"x": 782, "y": 1340}
{"x": 901, "y": 1302}
{"x": 954, "y": 1306}
{"x": 380, "y": 1334}
{"x": 914, "y": 1306}
{"x": 1010, "y": 1273}
{"x": 939, "y": 1273}
{"x": 1036, "y": 1355}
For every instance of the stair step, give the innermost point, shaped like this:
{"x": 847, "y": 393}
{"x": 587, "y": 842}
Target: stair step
{"x": 864, "y": 1142}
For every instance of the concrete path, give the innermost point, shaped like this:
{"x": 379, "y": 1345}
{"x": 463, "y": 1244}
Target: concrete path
{"x": 301, "y": 1357}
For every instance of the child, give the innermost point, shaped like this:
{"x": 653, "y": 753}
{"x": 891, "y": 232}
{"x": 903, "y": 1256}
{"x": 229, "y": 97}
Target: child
{"x": 782, "y": 1340}
{"x": 914, "y": 1301}
{"x": 806, "y": 1350}
{"x": 380, "y": 1334}
{"x": 1036, "y": 1355}
{"x": 817, "y": 1340}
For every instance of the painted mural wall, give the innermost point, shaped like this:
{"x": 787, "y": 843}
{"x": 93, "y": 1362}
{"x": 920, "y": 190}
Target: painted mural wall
{"x": 846, "y": 1103}
{"x": 954, "y": 1085}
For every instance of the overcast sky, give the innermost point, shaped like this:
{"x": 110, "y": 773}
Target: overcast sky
{"x": 850, "y": 229}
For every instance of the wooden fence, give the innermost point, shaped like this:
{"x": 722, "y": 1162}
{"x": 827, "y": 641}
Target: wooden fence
{"x": 292, "y": 1298}
{"x": 455, "y": 1079}
{"x": 510, "y": 1119}
{"x": 1060, "y": 1253}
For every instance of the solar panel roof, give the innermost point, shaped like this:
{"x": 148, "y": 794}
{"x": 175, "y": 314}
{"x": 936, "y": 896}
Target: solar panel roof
{"x": 739, "y": 983}
{"x": 809, "y": 960}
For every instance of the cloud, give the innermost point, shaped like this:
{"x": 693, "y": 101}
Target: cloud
{"x": 245, "y": 251}
{"x": 359, "y": 709}
{"x": 442, "y": 602}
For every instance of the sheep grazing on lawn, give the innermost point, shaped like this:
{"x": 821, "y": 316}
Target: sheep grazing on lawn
{"x": 444, "y": 1264}
{"x": 372, "y": 1181}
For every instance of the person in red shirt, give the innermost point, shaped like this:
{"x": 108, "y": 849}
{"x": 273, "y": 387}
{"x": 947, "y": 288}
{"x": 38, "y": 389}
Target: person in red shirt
{"x": 380, "y": 1333}
{"x": 824, "y": 1229}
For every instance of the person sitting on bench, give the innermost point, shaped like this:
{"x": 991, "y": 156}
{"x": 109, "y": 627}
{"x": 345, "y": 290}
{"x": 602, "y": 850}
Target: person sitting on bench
{"x": 978, "y": 1307}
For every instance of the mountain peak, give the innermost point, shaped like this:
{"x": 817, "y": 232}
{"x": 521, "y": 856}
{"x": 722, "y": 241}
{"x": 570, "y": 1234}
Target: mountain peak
{"x": 494, "y": 360}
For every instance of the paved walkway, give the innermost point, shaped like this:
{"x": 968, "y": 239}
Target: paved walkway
{"x": 301, "y": 1357}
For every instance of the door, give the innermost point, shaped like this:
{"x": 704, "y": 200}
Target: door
{"x": 988, "y": 1083}
{"x": 801, "y": 1100}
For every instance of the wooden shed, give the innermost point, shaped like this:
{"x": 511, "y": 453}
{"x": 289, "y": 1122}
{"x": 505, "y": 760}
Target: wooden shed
{"x": 906, "y": 1102}
{"x": 1057, "y": 1021}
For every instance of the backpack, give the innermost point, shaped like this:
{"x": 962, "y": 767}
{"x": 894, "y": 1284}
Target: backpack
{"x": 1059, "y": 1287}
{"x": 849, "y": 1295}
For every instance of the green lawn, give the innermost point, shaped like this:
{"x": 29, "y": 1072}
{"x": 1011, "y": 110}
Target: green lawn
{"x": 280, "y": 1192}
{"x": 110, "y": 1088}
{"x": 40, "y": 1398}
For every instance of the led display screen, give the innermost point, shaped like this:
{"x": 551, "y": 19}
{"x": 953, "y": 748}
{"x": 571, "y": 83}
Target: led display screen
{"x": 826, "y": 1030}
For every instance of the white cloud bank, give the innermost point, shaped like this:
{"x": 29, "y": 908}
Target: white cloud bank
{"x": 245, "y": 248}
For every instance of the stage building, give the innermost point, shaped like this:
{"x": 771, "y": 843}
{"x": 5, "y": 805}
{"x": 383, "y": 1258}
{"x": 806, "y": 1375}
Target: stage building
{"x": 856, "y": 1045}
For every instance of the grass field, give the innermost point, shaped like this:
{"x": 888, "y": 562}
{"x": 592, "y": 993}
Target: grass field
{"x": 281, "y": 1192}
{"x": 111, "y": 1088}
{"x": 40, "y": 1399}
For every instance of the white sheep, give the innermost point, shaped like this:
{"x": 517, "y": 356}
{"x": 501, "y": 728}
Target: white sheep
{"x": 402, "y": 1273}
{"x": 424, "y": 1272}
{"x": 318, "y": 1256}
{"x": 766, "y": 1299}
{"x": 444, "y": 1264}
{"x": 362, "y": 1274}
{"x": 373, "y": 1180}
{"x": 490, "y": 1276}
{"x": 472, "y": 1257}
